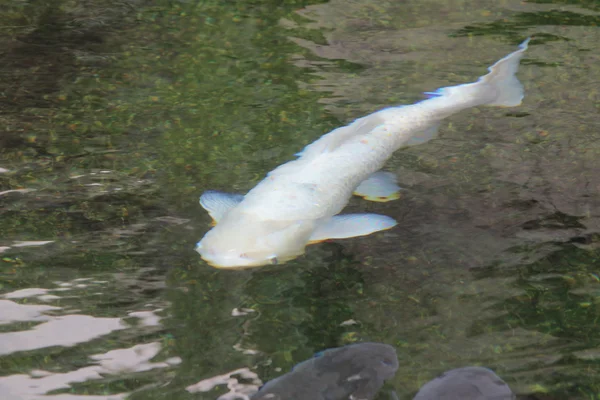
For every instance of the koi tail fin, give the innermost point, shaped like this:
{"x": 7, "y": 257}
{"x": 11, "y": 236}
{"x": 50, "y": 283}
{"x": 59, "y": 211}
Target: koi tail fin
{"x": 502, "y": 78}
{"x": 500, "y": 87}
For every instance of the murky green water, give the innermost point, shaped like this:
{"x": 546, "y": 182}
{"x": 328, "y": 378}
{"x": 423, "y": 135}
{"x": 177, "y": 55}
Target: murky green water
{"x": 116, "y": 117}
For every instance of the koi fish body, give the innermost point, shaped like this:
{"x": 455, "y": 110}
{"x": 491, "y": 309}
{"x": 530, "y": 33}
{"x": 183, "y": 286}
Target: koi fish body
{"x": 298, "y": 202}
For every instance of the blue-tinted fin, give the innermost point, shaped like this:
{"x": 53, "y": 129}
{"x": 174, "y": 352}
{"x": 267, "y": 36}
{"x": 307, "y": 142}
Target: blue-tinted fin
{"x": 430, "y": 95}
{"x": 351, "y": 225}
{"x": 219, "y": 203}
{"x": 380, "y": 186}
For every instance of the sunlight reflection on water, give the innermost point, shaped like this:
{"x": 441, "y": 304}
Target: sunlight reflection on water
{"x": 67, "y": 331}
{"x": 237, "y": 389}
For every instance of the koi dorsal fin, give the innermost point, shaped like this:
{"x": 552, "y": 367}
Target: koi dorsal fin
{"x": 337, "y": 137}
{"x": 218, "y": 203}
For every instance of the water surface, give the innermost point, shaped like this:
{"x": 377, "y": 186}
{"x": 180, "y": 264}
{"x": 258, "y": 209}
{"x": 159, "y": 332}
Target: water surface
{"x": 118, "y": 116}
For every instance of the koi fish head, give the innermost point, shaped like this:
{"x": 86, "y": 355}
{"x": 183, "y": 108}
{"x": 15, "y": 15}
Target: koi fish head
{"x": 240, "y": 241}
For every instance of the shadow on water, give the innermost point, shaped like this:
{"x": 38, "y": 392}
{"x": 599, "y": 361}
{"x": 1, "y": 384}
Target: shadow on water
{"x": 590, "y": 4}
{"x": 288, "y": 314}
{"x": 520, "y": 22}
{"x": 41, "y": 44}
{"x": 557, "y": 296}
{"x": 118, "y": 116}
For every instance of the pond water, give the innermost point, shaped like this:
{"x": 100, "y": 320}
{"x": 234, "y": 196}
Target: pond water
{"x": 117, "y": 116}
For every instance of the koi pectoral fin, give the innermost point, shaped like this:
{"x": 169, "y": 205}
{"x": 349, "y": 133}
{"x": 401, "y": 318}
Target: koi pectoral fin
{"x": 351, "y": 225}
{"x": 380, "y": 186}
{"x": 219, "y": 203}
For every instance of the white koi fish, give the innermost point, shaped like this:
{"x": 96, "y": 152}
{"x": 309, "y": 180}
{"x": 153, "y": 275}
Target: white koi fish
{"x": 298, "y": 202}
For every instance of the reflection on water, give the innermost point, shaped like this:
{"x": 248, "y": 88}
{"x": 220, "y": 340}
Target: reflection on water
{"x": 13, "y": 312}
{"x": 117, "y": 116}
{"x": 58, "y": 327}
{"x": 356, "y": 371}
{"x": 67, "y": 330}
{"x": 38, "y": 383}
{"x": 237, "y": 389}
